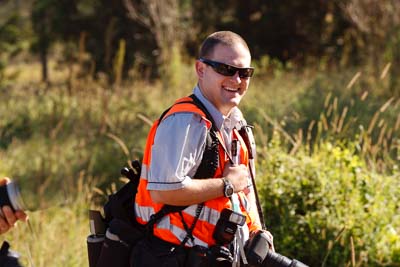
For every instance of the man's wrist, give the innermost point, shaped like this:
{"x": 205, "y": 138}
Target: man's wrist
{"x": 228, "y": 187}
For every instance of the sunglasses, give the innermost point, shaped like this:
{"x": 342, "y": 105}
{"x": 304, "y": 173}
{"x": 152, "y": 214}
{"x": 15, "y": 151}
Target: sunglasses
{"x": 228, "y": 70}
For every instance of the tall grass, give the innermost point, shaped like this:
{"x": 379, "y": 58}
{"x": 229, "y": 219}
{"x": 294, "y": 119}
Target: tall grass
{"x": 56, "y": 236}
{"x": 327, "y": 143}
{"x": 330, "y": 189}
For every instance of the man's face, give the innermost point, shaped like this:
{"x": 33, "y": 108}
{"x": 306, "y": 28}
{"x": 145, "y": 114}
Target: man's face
{"x": 224, "y": 92}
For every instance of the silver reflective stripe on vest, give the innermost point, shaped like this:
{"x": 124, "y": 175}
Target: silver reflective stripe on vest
{"x": 179, "y": 233}
{"x": 144, "y": 212}
{"x": 145, "y": 172}
{"x": 207, "y": 214}
{"x": 244, "y": 202}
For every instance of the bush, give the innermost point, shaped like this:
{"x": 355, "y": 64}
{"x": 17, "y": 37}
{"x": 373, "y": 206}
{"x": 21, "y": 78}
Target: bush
{"x": 327, "y": 208}
{"x": 321, "y": 197}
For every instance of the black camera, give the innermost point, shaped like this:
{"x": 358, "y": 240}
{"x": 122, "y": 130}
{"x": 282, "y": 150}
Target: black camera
{"x": 226, "y": 227}
{"x": 20, "y": 197}
{"x": 10, "y": 196}
{"x": 259, "y": 254}
{"x": 219, "y": 254}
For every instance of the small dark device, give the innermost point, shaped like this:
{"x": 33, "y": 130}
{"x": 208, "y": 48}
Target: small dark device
{"x": 226, "y": 227}
{"x": 8, "y": 258}
{"x": 259, "y": 254}
{"x": 224, "y": 233}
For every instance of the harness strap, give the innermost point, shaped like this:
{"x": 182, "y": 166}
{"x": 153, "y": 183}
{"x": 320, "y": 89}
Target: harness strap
{"x": 201, "y": 106}
{"x": 168, "y": 109}
{"x": 165, "y": 210}
{"x": 203, "y": 171}
{"x": 189, "y": 231}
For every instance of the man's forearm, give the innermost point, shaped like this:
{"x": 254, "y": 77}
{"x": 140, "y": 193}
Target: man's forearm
{"x": 200, "y": 190}
{"x": 253, "y": 206}
{"x": 194, "y": 192}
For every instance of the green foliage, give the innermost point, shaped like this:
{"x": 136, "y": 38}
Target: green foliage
{"x": 323, "y": 193}
{"x": 60, "y": 135}
{"x": 104, "y": 24}
{"x": 328, "y": 139}
{"x": 171, "y": 71}
{"x": 315, "y": 204}
{"x": 10, "y": 41}
{"x": 119, "y": 62}
{"x": 319, "y": 33}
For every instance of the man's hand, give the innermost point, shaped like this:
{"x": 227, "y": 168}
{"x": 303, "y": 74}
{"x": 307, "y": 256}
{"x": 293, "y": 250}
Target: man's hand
{"x": 237, "y": 175}
{"x": 9, "y": 218}
{"x": 268, "y": 234}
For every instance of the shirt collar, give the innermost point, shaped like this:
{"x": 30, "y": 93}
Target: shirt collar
{"x": 235, "y": 116}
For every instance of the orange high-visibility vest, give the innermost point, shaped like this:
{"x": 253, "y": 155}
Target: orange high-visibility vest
{"x": 171, "y": 228}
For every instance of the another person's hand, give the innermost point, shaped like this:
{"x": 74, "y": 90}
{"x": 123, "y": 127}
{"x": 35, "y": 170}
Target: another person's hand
{"x": 9, "y": 218}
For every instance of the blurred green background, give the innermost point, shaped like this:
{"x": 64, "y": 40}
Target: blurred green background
{"x": 82, "y": 80}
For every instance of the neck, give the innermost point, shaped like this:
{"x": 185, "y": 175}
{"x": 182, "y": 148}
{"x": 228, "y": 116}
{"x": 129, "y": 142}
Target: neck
{"x": 224, "y": 111}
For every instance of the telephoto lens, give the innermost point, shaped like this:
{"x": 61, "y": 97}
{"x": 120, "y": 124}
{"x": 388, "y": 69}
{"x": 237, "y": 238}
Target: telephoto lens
{"x": 258, "y": 254}
{"x": 277, "y": 260}
{"x": 10, "y": 196}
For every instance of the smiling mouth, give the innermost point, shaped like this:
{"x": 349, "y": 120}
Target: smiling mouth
{"x": 230, "y": 89}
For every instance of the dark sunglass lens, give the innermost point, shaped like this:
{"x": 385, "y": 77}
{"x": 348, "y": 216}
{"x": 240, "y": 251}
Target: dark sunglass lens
{"x": 223, "y": 69}
{"x": 246, "y": 73}
{"x": 231, "y": 70}
{"x": 228, "y": 70}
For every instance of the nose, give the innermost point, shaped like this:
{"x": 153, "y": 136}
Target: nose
{"x": 236, "y": 77}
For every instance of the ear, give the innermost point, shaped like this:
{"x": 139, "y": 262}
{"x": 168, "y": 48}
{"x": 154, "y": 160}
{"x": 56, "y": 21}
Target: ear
{"x": 200, "y": 68}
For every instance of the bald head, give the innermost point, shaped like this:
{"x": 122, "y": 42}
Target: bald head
{"x": 225, "y": 38}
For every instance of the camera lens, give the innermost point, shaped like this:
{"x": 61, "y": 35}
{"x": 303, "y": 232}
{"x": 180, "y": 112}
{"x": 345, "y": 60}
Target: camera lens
{"x": 276, "y": 260}
{"x": 10, "y": 196}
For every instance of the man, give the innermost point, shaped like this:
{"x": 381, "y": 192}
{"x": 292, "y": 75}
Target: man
{"x": 174, "y": 152}
{"x": 10, "y": 217}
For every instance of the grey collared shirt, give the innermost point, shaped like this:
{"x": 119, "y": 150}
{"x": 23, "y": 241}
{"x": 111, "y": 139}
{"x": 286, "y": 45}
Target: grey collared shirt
{"x": 179, "y": 144}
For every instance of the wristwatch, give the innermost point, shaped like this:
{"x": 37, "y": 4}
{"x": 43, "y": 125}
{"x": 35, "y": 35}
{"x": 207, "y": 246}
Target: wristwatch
{"x": 228, "y": 187}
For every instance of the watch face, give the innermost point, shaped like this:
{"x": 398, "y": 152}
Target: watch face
{"x": 228, "y": 188}
{"x": 229, "y": 191}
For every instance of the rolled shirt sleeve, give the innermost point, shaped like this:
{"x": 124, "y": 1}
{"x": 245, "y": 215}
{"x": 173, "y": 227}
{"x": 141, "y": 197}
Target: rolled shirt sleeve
{"x": 177, "y": 151}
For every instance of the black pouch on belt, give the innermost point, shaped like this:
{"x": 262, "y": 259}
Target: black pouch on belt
{"x": 118, "y": 243}
{"x": 114, "y": 252}
{"x": 94, "y": 245}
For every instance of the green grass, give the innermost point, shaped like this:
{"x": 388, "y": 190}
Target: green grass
{"x": 55, "y": 236}
{"x": 328, "y": 159}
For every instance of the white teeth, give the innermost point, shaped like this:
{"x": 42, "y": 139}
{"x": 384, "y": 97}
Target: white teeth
{"x": 231, "y": 89}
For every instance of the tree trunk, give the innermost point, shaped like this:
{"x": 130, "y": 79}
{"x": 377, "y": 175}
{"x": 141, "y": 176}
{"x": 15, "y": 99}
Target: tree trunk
{"x": 43, "y": 61}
